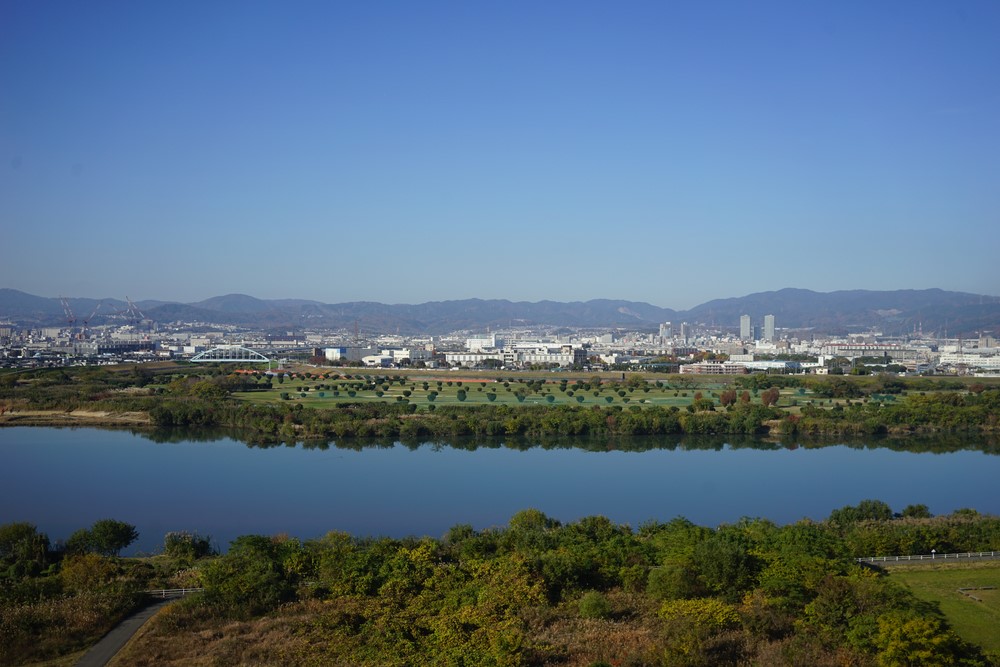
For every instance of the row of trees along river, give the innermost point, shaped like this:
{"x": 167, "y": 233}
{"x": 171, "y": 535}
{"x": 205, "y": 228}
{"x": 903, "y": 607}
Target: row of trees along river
{"x": 328, "y": 405}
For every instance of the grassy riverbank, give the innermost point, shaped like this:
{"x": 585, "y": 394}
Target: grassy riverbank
{"x": 975, "y": 614}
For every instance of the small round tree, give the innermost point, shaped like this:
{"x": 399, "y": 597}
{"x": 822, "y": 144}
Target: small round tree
{"x": 108, "y": 537}
{"x": 594, "y": 605}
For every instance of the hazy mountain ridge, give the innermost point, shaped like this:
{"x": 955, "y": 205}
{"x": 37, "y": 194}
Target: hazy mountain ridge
{"x": 930, "y": 310}
{"x": 898, "y": 311}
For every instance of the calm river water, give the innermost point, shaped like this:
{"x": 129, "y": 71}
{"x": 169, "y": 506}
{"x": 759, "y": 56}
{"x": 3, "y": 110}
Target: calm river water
{"x": 65, "y": 479}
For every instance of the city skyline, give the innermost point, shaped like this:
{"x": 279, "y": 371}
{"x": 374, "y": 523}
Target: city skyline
{"x": 667, "y": 154}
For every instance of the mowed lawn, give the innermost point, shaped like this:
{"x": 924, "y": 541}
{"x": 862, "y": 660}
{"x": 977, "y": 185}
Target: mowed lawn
{"x": 445, "y": 389}
{"x": 475, "y": 394}
{"x": 974, "y": 621}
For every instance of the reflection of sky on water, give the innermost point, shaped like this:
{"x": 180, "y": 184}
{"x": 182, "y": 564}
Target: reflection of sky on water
{"x": 64, "y": 479}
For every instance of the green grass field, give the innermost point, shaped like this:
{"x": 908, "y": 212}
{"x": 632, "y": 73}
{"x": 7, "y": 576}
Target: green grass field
{"x": 974, "y": 621}
{"x": 416, "y": 388}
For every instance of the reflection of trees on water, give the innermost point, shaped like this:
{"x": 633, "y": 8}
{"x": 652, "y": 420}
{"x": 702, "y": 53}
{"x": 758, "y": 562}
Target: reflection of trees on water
{"x": 188, "y": 434}
{"x": 937, "y": 444}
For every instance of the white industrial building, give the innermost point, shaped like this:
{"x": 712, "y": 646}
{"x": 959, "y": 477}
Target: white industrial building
{"x": 480, "y": 343}
{"x": 522, "y": 354}
{"x": 854, "y": 350}
{"x": 399, "y": 355}
{"x": 713, "y": 368}
{"x": 471, "y": 359}
{"x": 971, "y": 360}
{"x": 349, "y": 353}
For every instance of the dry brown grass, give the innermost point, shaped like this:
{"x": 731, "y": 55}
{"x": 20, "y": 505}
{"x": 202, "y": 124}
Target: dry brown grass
{"x": 14, "y": 417}
{"x": 798, "y": 651}
{"x": 185, "y": 635}
{"x": 633, "y": 635}
{"x": 47, "y": 630}
{"x": 67, "y": 660}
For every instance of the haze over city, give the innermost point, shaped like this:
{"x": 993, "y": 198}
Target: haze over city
{"x": 406, "y": 152}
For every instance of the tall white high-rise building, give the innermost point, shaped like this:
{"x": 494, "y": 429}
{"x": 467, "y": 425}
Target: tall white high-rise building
{"x": 769, "y": 328}
{"x": 746, "y": 329}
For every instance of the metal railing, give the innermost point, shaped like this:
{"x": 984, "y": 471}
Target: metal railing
{"x": 980, "y": 555}
{"x": 172, "y": 592}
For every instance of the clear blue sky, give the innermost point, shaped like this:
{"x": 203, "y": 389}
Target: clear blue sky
{"x": 669, "y": 152}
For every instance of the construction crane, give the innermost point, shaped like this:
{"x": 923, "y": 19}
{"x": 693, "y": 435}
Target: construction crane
{"x": 70, "y": 317}
{"x": 84, "y": 330}
{"x": 131, "y": 313}
{"x": 134, "y": 312}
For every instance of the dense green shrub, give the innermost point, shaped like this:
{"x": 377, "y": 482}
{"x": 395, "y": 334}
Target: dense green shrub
{"x": 594, "y": 605}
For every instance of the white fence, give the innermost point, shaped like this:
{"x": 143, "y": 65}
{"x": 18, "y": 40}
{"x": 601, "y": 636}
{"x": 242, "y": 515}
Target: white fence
{"x": 972, "y": 555}
{"x": 172, "y": 592}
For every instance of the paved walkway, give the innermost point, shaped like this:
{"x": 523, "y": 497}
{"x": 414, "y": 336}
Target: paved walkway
{"x": 102, "y": 652}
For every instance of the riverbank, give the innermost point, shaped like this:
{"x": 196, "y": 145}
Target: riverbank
{"x": 312, "y": 407}
{"x": 94, "y": 418}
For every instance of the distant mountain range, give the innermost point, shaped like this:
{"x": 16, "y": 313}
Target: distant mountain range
{"x": 893, "y": 312}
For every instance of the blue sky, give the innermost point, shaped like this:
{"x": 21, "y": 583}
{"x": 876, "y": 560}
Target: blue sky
{"x": 403, "y": 152}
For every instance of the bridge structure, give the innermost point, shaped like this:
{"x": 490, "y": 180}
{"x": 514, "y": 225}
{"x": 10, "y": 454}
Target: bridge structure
{"x": 231, "y": 354}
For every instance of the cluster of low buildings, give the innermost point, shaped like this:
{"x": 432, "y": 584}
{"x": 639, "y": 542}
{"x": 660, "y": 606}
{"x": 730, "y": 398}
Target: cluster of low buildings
{"x": 684, "y": 348}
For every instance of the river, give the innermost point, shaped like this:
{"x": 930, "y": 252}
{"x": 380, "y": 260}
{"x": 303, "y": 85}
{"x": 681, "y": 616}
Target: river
{"x": 65, "y": 479}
